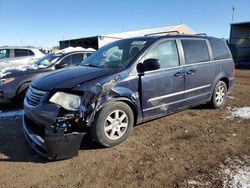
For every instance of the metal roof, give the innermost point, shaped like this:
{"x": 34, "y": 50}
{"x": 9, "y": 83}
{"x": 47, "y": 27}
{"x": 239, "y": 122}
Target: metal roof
{"x": 241, "y": 23}
{"x": 19, "y": 47}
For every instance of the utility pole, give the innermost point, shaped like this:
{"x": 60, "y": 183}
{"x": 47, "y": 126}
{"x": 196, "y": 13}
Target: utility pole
{"x": 233, "y": 9}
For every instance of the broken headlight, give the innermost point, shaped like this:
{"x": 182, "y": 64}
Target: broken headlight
{"x": 68, "y": 101}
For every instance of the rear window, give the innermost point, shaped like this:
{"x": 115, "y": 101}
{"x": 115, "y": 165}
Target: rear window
{"x": 220, "y": 50}
{"x": 195, "y": 51}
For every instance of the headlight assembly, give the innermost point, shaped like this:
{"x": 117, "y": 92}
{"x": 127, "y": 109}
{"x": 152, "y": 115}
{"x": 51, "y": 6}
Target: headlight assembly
{"x": 68, "y": 101}
{"x": 6, "y": 80}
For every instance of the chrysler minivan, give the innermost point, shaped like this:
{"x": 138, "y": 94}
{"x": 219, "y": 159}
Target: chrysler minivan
{"x": 125, "y": 83}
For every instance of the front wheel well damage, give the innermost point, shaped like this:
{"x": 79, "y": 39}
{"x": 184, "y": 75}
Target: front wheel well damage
{"x": 133, "y": 107}
{"x": 128, "y": 102}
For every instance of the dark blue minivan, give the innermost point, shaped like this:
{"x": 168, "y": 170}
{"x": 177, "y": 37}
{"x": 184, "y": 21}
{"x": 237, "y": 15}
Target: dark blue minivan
{"x": 123, "y": 84}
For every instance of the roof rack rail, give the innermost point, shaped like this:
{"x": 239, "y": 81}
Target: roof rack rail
{"x": 201, "y": 34}
{"x": 164, "y": 32}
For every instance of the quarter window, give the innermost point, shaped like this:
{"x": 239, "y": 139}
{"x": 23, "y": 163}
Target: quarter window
{"x": 31, "y": 53}
{"x": 220, "y": 50}
{"x": 195, "y": 51}
{"x": 166, "y": 52}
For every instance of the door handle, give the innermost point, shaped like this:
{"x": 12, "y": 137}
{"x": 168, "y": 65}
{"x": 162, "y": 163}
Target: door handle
{"x": 190, "y": 72}
{"x": 178, "y": 74}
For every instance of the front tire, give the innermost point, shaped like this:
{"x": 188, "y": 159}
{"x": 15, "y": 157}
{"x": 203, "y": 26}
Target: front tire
{"x": 113, "y": 124}
{"x": 218, "y": 99}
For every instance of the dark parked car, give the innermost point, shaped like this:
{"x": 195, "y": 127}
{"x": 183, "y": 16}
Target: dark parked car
{"x": 123, "y": 84}
{"x": 14, "y": 81}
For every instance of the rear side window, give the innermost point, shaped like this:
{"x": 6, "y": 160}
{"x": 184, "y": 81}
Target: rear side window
{"x": 21, "y": 52}
{"x": 195, "y": 51}
{"x": 220, "y": 50}
{"x": 76, "y": 59}
{"x": 4, "y": 53}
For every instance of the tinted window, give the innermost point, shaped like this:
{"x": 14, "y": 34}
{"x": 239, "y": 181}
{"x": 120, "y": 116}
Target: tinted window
{"x": 220, "y": 50}
{"x": 21, "y": 52}
{"x": 88, "y": 54}
{"x": 66, "y": 61}
{"x": 166, "y": 52}
{"x": 76, "y": 59}
{"x": 195, "y": 51}
{"x": 4, "y": 53}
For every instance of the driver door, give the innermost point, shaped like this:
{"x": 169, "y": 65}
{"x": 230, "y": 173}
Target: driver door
{"x": 162, "y": 90}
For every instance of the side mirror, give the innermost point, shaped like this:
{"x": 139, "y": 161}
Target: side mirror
{"x": 59, "y": 66}
{"x": 148, "y": 65}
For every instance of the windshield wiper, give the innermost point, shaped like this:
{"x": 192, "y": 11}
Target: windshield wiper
{"x": 91, "y": 65}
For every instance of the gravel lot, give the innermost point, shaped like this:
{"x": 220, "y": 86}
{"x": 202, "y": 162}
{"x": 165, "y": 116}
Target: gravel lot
{"x": 199, "y": 147}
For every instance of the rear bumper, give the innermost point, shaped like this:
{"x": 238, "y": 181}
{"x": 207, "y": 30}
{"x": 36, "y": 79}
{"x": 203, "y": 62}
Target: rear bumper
{"x": 231, "y": 84}
{"x": 55, "y": 146}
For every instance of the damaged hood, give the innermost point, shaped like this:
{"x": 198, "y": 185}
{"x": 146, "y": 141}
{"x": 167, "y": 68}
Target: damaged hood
{"x": 69, "y": 78}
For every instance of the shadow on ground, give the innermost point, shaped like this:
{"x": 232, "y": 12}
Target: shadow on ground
{"x": 14, "y": 148}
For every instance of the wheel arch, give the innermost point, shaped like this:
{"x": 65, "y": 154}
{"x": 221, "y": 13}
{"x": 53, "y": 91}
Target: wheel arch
{"x": 220, "y": 77}
{"x": 129, "y": 102}
{"x": 226, "y": 81}
{"x": 22, "y": 88}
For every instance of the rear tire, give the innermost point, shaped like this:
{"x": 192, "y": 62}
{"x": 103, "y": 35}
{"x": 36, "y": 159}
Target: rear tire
{"x": 218, "y": 99}
{"x": 113, "y": 124}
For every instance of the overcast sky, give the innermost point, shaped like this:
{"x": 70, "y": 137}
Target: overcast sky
{"x": 45, "y": 22}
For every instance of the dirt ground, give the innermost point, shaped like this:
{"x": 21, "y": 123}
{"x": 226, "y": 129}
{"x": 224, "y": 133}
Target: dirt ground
{"x": 186, "y": 149}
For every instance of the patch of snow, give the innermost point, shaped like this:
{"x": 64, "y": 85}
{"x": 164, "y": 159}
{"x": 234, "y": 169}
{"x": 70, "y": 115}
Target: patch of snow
{"x": 73, "y": 49}
{"x": 231, "y": 97}
{"x": 194, "y": 182}
{"x": 9, "y": 70}
{"x": 243, "y": 112}
{"x": 3, "y": 74}
{"x": 235, "y": 174}
{"x": 42, "y": 66}
{"x": 11, "y": 114}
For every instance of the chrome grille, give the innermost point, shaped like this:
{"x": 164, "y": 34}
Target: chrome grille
{"x": 34, "y": 96}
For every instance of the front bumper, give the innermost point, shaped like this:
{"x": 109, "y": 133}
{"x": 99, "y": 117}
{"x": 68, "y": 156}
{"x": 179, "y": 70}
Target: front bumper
{"x": 54, "y": 146}
{"x": 8, "y": 92}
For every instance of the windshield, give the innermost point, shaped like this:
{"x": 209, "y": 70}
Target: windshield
{"x": 47, "y": 60}
{"x": 116, "y": 55}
